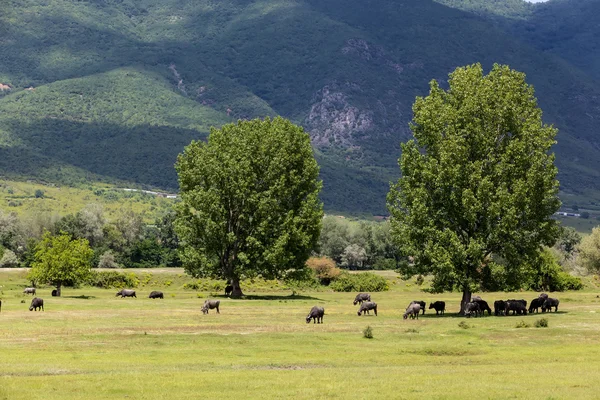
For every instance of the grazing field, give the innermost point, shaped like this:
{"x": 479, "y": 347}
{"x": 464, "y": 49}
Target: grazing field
{"x": 91, "y": 345}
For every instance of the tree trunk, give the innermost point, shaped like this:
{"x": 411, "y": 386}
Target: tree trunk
{"x": 466, "y": 298}
{"x": 237, "y": 290}
{"x": 58, "y": 288}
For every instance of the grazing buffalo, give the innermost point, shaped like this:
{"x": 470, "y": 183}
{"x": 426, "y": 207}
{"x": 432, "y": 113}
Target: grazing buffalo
{"x": 421, "y": 303}
{"x": 472, "y": 308}
{"x": 549, "y": 303}
{"x": 36, "y": 303}
{"x": 536, "y": 304}
{"x": 439, "y": 306}
{"x": 499, "y": 307}
{"x": 366, "y": 306}
{"x": 361, "y": 297}
{"x": 209, "y": 305}
{"x": 126, "y": 293}
{"x": 483, "y": 306}
{"x": 29, "y": 290}
{"x": 156, "y": 295}
{"x": 54, "y": 293}
{"x": 543, "y": 296}
{"x": 516, "y": 306}
{"x": 228, "y": 290}
{"x": 412, "y": 311}
{"x": 316, "y": 313}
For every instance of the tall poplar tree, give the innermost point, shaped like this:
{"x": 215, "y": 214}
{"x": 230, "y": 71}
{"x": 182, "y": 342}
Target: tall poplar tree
{"x": 478, "y": 179}
{"x": 249, "y": 201}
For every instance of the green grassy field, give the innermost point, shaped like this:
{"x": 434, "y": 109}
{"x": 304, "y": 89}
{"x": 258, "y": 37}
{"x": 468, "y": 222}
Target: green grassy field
{"x": 90, "y": 344}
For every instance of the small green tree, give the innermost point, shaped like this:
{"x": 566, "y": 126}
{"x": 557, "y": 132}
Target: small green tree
{"x": 589, "y": 251}
{"x": 478, "y": 180}
{"x": 249, "y": 201}
{"x": 59, "y": 260}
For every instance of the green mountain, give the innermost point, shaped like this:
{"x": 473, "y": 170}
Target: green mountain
{"x": 113, "y": 89}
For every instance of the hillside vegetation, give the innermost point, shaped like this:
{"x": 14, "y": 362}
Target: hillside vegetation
{"x": 113, "y": 90}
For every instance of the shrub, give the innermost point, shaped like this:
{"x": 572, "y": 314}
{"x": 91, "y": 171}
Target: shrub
{"x": 368, "y": 333}
{"x": 546, "y": 274}
{"x": 9, "y": 260}
{"x": 112, "y": 279}
{"x": 463, "y": 325}
{"x": 363, "y": 282}
{"x": 324, "y": 269}
{"x": 541, "y": 323}
{"x": 192, "y": 285}
{"x": 107, "y": 260}
{"x": 522, "y": 324}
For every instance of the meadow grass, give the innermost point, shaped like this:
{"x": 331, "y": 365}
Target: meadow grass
{"x": 91, "y": 345}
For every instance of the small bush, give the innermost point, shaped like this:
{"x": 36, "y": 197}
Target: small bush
{"x": 541, "y": 323}
{"x": 463, "y": 325}
{"x": 9, "y": 260}
{"x": 420, "y": 280}
{"x": 522, "y": 324}
{"x": 363, "y": 282}
{"x": 107, "y": 260}
{"x": 368, "y": 333}
{"x": 191, "y": 286}
{"x": 324, "y": 268}
{"x": 112, "y": 279}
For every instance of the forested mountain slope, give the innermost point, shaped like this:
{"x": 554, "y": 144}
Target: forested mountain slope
{"x": 113, "y": 89}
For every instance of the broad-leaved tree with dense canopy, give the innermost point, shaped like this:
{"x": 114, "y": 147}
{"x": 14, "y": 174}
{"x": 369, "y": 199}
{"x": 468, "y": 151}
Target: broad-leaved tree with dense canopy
{"x": 478, "y": 179}
{"x": 249, "y": 201}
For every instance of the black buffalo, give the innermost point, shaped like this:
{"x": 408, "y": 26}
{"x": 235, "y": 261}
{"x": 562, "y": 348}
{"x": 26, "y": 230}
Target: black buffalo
{"x": 156, "y": 295}
{"x": 126, "y": 293}
{"x": 228, "y": 290}
{"x": 316, "y": 313}
{"x": 483, "y": 306}
{"x": 36, "y": 304}
{"x": 472, "y": 308}
{"x": 516, "y": 306}
{"x": 549, "y": 303}
{"x": 366, "y": 306}
{"x": 361, "y": 297}
{"x": 54, "y": 293}
{"x": 499, "y": 307}
{"x": 536, "y": 304}
{"x": 439, "y": 306}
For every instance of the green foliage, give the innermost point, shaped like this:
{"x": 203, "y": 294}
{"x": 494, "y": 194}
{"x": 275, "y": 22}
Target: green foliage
{"x": 39, "y": 194}
{"x": 477, "y": 180}
{"x": 544, "y": 273}
{"x": 368, "y": 333}
{"x": 59, "y": 260}
{"x": 541, "y": 323}
{"x": 589, "y": 251}
{"x": 112, "y": 279}
{"x": 568, "y": 241}
{"x": 361, "y": 282}
{"x": 522, "y": 324}
{"x": 249, "y": 201}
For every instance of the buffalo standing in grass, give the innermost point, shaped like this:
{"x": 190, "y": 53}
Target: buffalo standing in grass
{"x": 156, "y": 295}
{"x": 36, "y": 304}
{"x": 316, "y": 314}
{"x": 483, "y": 306}
{"x": 54, "y": 293}
{"x": 499, "y": 307}
{"x": 228, "y": 290}
{"x": 29, "y": 290}
{"x": 209, "y": 305}
{"x": 549, "y": 303}
{"x": 536, "y": 304}
{"x": 472, "y": 308}
{"x": 361, "y": 297}
{"x": 366, "y": 306}
{"x": 126, "y": 293}
{"x": 516, "y": 306}
{"x": 439, "y": 306}
{"x": 412, "y": 311}
{"x": 421, "y": 303}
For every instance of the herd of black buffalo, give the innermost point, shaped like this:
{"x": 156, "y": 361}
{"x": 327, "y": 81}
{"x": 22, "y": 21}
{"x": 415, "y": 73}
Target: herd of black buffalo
{"x": 476, "y": 307}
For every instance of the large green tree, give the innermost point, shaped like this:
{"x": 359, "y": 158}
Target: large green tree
{"x": 478, "y": 179}
{"x": 249, "y": 201}
{"x": 60, "y": 259}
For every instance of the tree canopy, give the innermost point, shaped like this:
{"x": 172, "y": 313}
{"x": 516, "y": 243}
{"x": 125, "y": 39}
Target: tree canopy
{"x": 249, "y": 201}
{"x": 478, "y": 179}
{"x": 60, "y": 260}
